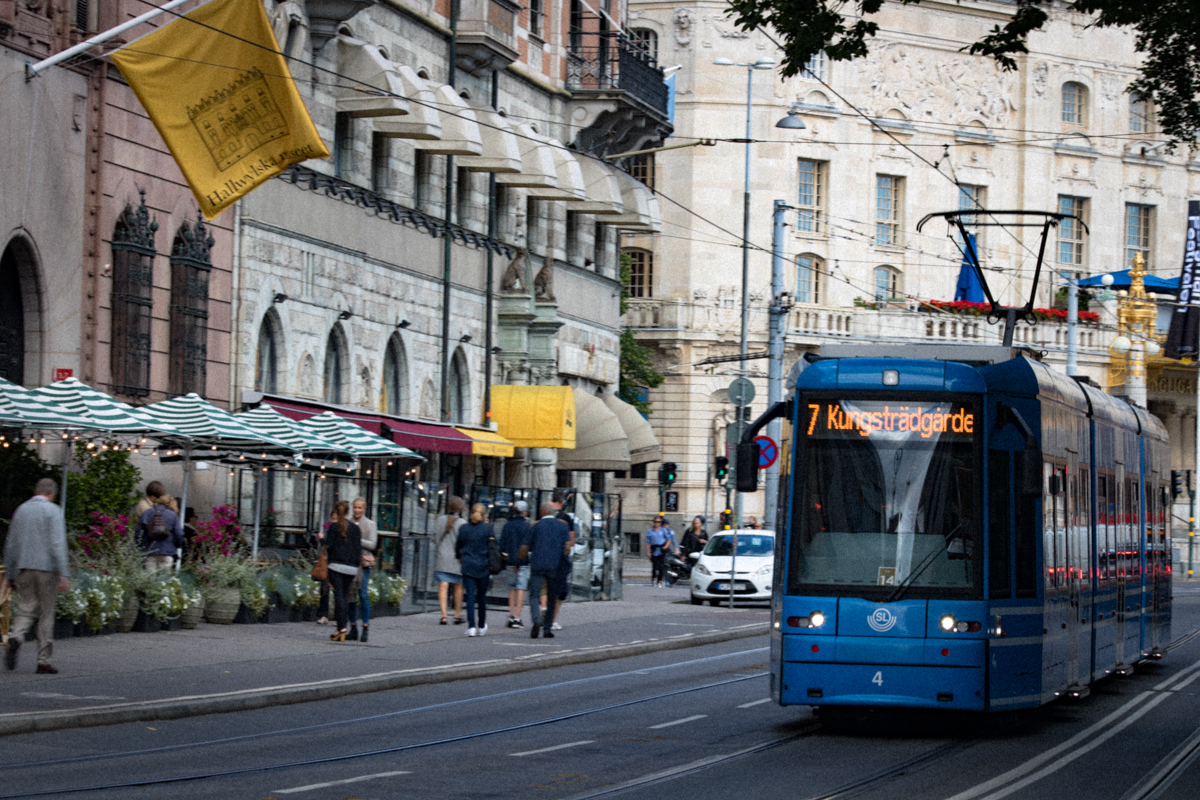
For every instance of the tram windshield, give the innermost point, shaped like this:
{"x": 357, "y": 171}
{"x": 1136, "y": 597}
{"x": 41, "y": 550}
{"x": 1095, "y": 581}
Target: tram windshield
{"x": 884, "y": 499}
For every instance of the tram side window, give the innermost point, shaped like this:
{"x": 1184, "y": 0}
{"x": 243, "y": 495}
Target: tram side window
{"x": 999, "y": 524}
{"x": 1051, "y": 523}
{"x": 1025, "y": 525}
{"x": 1103, "y": 534}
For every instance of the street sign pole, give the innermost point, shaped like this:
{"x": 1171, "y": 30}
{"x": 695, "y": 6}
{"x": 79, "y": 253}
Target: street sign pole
{"x": 741, "y": 394}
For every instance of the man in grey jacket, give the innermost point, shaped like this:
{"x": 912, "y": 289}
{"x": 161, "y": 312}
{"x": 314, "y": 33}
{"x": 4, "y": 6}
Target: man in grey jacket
{"x": 35, "y": 560}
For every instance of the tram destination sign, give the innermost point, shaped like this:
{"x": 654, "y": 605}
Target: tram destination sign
{"x": 837, "y": 418}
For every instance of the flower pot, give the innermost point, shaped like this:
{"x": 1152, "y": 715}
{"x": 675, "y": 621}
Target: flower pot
{"x": 129, "y": 614}
{"x": 192, "y": 615}
{"x": 172, "y": 624}
{"x": 146, "y": 623}
{"x": 221, "y": 606}
{"x": 279, "y": 614}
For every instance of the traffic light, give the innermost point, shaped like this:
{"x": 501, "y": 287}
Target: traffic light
{"x": 721, "y": 469}
{"x": 727, "y": 519}
{"x": 666, "y": 473}
{"x": 1176, "y": 482}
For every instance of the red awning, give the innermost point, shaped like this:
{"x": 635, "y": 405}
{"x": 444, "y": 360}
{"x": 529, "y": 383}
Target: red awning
{"x": 302, "y": 410}
{"x": 424, "y": 436}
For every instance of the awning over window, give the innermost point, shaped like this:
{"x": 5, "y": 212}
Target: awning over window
{"x": 423, "y": 120}
{"x": 570, "y": 184}
{"x": 603, "y": 191}
{"x": 487, "y": 443}
{"x": 460, "y": 130}
{"x": 374, "y": 88}
{"x": 535, "y": 416}
{"x": 501, "y": 147}
{"x": 429, "y": 437}
{"x": 537, "y": 163}
{"x": 601, "y": 444}
{"x": 643, "y": 444}
{"x": 641, "y": 206}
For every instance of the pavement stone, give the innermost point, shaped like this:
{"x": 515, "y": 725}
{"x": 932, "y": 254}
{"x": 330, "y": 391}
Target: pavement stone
{"x": 122, "y": 677}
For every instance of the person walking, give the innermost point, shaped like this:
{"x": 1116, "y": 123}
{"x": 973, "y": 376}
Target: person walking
{"x": 515, "y": 536}
{"x": 658, "y": 543}
{"x": 446, "y": 566}
{"x": 343, "y": 549}
{"x": 549, "y": 539}
{"x": 471, "y": 548}
{"x": 35, "y": 560}
{"x": 160, "y": 533}
{"x": 154, "y": 490}
{"x": 695, "y": 538}
{"x": 370, "y": 543}
{"x": 562, "y": 582}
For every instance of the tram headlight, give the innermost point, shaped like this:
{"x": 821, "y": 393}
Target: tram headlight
{"x": 947, "y": 623}
{"x": 951, "y": 625}
{"x": 816, "y": 619}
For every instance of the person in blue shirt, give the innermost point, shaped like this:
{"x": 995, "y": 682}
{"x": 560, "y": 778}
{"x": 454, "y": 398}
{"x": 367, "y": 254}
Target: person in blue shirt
{"x": 160, "y": 553}
{"x": 515, "y": 535}
{"x": 471, "y": 549}
{"x": 660, "y": 540}
{"x": 549, "y": 540}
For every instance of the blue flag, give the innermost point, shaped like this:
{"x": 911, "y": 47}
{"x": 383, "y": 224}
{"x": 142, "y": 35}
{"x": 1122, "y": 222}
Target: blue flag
{"x": 969, "y": 288}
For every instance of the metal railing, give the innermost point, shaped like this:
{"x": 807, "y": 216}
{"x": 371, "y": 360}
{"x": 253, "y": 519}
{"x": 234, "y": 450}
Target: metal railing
{"x": 607, "y": 61}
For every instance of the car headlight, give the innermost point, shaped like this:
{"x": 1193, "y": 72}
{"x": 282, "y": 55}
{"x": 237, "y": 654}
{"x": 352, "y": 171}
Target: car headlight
{"x": 764, "y": 570}
{"x": 703, "y": 570}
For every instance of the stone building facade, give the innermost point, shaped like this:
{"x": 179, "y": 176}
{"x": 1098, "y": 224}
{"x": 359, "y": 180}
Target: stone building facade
{"x": 917, "y": 127}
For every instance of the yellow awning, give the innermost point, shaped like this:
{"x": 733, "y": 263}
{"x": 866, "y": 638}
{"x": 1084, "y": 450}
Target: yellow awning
{"x": 487, "y": 443}
{"x": 535, "y": 416}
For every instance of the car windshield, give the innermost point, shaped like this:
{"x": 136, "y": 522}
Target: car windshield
{"x": 884, "y": 496}
{"x": 748, "y": 544}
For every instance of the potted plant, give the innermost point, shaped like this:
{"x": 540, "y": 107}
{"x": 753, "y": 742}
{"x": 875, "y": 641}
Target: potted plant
{"x": 191, "y": 615}
{"x": 106, "y": 547}
{"x": 161, "y": 599}
{"x": 217, "y": 565}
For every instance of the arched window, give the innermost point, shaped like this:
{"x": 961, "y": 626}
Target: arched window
{"x": 132, "y": 304}
{"x": 1140, "y": 113}
{"x": 1074, "y": 103}
{"x": 190, "y": 266}
{"x": 808, "y": 278}
{"x": 266, "y": 362}
{"x": 459, "y": 387}
{"x": 887, "y": 284}
{"x": 395, "y": 378}
{"x": 336, "y": 358}
{"x": 645, "y": 41}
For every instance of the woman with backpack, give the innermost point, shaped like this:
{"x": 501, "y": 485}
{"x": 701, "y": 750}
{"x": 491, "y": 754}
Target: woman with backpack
{"x": 160, "y": 533}
{"x": 343, "y": 550}
{"x": 472, "y": 552}
{"x": 446, "y": 567}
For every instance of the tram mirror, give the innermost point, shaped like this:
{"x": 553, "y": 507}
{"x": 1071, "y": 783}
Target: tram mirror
{"x": 1029, "y": 463}
{"x": 747, "y": 466}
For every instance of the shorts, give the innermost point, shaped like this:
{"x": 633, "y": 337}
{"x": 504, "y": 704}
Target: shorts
{"x": 448, "y": 577}
{"x": 518, "y": 578}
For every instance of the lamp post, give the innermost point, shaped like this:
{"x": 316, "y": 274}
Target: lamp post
{"x": 762, "y": 63}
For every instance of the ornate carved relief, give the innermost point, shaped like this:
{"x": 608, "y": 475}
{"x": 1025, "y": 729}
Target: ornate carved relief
{"x": 944, "y": 88}
{"x": 1041, "y": 78}
{"x": 543, "y": 284}
{"x": 683, "y": 27}
{"x": 515, "y": 278}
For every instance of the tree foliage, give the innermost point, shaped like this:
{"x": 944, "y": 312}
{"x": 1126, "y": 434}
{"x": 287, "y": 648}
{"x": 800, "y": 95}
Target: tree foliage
{"x": 1165, "y": 32}
{"x": 20, "y": 470}
{"x": 637, "y": 368}
{"x": 106, "y": 483}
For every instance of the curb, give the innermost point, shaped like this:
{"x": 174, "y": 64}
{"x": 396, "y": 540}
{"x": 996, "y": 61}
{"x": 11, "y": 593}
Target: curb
{"x": 247, "y": 699}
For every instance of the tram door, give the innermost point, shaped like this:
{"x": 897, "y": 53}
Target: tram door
{"x": 1121, "y": 562}
{"x": 1065, "y": 522}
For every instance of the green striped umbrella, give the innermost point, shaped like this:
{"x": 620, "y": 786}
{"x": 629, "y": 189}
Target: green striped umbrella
{"x": 211, "y": 429}
{"x": 20, "y": 408}
{"x": 76, "y": 398}
{"x": 356, "y": 439}
{"x": 303, "y": 439}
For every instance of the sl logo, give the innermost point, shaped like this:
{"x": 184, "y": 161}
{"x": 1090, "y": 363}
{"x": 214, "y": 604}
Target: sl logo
{"x": 881, "y": 620}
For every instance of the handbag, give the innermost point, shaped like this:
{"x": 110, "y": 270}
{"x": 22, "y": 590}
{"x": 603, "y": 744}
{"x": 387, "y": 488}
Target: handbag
{"x": 368, "y": 559}
{"x": 320, "y": 570}
{"x": 495, "y": 557}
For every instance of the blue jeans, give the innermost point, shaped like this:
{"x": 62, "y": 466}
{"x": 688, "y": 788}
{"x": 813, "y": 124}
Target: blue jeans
{"x": 536, "y": 578}
{"x": 476, "y": 589}
{"x": 364, "y": 600}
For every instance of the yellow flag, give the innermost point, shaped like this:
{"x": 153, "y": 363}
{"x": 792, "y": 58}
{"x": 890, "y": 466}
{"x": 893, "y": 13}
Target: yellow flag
{"x": 220, "y": 94}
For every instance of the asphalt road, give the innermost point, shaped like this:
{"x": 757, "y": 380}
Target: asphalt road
{"x": 689, "y": 724}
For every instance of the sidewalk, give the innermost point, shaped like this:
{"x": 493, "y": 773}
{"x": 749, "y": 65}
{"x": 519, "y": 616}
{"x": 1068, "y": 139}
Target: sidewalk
{"x": 143, "y": 676}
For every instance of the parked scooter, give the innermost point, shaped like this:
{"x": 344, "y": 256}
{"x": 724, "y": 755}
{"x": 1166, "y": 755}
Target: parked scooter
{"x": 677, "y": 569}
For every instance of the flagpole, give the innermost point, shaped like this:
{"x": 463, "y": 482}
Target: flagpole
{"x": 32, "y": 70}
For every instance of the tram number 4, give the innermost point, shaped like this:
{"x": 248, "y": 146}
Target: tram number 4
{"x": 878, "y": 679}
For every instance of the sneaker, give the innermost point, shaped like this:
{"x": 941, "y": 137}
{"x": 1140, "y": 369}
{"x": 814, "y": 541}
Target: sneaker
{"x": 511, "y": 622}
{"x": 45, "y": 669}
{"x": 10, "y": 654}
{"x": 546, "y": 634}
{"x": 516, "y": 623}
{"x": 472, "y": 631}
{"x": 482, "y": 630}
{"x": 556, "y": 627}
{"x": 533, "y": 633}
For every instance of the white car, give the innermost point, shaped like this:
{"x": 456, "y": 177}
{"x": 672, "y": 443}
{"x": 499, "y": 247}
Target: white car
{"x": 755, "y": 564}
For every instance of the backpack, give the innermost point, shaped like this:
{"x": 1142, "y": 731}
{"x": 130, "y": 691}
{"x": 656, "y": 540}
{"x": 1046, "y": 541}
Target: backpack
{"x": 495, "y": 558}
{"x": 157, "y": 530}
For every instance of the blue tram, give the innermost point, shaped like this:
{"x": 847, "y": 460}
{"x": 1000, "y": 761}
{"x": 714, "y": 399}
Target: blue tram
{"x": 979, "y": 534}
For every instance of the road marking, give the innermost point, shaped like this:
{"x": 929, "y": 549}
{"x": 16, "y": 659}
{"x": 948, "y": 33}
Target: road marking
{"x": 755, "y": 703}
{"x": 61, "y": 696}
{"x": 552, "y": 749}
{"x": 1075, "y": 747}
{"x": 677, "y": 722}
{"x": 312, "y": 786}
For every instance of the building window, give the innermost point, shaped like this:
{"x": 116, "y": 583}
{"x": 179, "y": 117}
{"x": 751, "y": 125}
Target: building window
{"x": 132, "y": 303}
{"x": 335, "y": 358}
{"x": 422, "y": 180}
{"x": 642, "y": 168}
{"x": 815, "y": 67}
{"x": 535, "y": 18}
{"x": 459, "y": 388}
{"x": 533, "y": 225}
{"x": 600, "y": 249}
{"x": 808, "y": 279}
{"x": 1139, "y": 114}
{"x": 971, "y": 198}
{"x": 1070, "y": 231}
{"x": 395, "y": 377}
{"x": 811, "y": 197}
{"x": 463, "y": 197}
{"x": 190, "y": 267}
{"x": 343, "y": 145}
{"x": 1074, "y": 103}
{"x": 887, "y": 284}
{"x": 1138, "y": 221}
{"x": 575, "y": 27}
{"x": 573, "y": 254}
{"x": 887, "y": 209}
{"x": 381, "y": 154}
{"x": 266, "y": 366}
{"x": 641, "y": 273}
{"x": 646, "y": 41}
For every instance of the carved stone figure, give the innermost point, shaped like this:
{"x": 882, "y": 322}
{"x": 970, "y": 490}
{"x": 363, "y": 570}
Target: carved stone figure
{"x": 543, "y": 284}
{"x": 952, "y": 88}
{"x": 513, "y": 281}
{"x": 1041, "y": 77}
{"x": 683, "y": 27}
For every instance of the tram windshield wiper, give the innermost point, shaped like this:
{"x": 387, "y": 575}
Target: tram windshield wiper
{"x": 903, "y": 587}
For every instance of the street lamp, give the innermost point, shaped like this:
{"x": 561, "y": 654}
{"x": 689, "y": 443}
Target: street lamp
{"x": 762, "y": 63}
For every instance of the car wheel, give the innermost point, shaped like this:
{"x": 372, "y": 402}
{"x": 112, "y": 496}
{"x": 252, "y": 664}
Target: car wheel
{"x": 696, "y": 600}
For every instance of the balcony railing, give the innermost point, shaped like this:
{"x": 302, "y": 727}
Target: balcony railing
{"x": 607, "y": 62}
